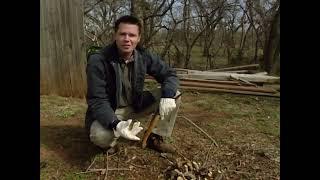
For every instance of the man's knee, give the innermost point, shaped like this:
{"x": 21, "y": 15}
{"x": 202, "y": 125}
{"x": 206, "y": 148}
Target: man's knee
{"x": 178, "y": 100}
{"x": 156, "y": 93}
{"x": 100, "y": 136}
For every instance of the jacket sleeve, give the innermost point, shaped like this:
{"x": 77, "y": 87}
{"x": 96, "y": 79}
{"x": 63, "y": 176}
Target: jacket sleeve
{"x": 97, "y": 98}
{"x": 164, "y": 75}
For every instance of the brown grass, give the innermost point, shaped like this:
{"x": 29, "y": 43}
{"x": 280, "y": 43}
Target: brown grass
{"x": 245, "y": 127}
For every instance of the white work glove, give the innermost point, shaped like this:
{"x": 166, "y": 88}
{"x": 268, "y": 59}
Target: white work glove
{"x": 166, "y": 106}
{"x": 123, "y": 130}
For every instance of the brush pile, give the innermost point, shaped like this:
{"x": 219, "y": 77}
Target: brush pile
{"x": 185, "y": 169}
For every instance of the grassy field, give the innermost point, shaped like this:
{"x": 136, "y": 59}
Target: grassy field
{"x": 198, "y": 61}
{"x": 246, "y": 128}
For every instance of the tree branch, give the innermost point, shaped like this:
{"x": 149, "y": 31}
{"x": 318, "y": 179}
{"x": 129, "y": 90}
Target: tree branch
{"x": 158, "y": 9}
{"x": 215, "y": 143}
{"x": 92, "y": 7}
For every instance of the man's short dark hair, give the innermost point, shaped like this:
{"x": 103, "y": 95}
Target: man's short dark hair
{"x": 127, "y": 19}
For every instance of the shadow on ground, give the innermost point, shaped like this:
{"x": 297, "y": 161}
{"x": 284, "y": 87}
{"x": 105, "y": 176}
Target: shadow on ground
{"x": 69, "y": 143}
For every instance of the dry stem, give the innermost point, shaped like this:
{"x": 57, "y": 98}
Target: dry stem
{"x": 215, "y": 143}
{"x": 91, "y": 163}
{"x": 106, "y": 175}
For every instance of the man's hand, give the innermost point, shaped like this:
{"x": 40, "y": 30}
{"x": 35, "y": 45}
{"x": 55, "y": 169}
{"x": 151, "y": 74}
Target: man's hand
{"x": 166, "y": 106}
{"x": 123, "y": 130}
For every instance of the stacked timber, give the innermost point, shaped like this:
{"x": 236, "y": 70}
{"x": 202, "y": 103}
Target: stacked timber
{"x": 259, "y": 84}
{"x": 226, "y": 76}
{"x": 226, "y": 86}
{"x": 238, "y": 68}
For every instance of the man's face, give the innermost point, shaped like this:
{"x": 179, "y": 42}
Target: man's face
{"x": 127, "y": 37}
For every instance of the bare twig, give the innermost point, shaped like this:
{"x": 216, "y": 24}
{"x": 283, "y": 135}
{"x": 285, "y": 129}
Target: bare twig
{"x": 91, "y": 163}
{"x": 180, "y": 173}
{"x": 118, "y": 169}
{"x": 92, "y": 7}
{"x": 214, "y": 142}
{"x": 166, "y": 157}
{"x": 206, "y": 159}
{"x": 219, "y": 176}
{"x": 240, "y": 172}
{"x": 90, "y": 171}
{"x": 130, "y": 159}
{"x": 103, "y": 171}
{"x": 179, "y": 153}
{"x": 138, "y": 166}
{"x": 106, "y": 175}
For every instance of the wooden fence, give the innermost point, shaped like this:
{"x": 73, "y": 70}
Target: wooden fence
{"x": 62, "y": 53}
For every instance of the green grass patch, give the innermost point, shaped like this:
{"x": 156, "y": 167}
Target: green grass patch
{"x": 249, "y": 113}
{"x": 62, "y": 107}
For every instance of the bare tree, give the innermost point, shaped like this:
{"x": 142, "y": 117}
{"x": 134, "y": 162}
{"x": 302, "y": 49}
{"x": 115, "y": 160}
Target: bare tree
{"x": 232, "y": 23}
{"x": 271, "y": 53}
{"x": 168, "y": 42}
{"x": 154, "y": 21}
{"x": 264, "y": 16}
{"x": 99, "y": 17}
{"x": 175, "y": 27}
{"x": 210, "y": 22}
{"x": 192, "y": 31}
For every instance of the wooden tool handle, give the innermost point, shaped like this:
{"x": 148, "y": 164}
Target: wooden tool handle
{"x": 153, "y": 123}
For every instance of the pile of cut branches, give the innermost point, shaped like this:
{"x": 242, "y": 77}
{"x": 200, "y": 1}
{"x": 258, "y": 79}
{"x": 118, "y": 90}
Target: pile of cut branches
{"x": 186, "y": 169}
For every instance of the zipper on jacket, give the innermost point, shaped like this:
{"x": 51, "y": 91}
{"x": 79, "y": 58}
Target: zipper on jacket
{"x": 118, "y": 85}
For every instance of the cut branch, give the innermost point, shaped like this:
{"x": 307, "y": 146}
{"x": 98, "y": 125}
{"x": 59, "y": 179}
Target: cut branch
{"x": 91, "y": 164}
{"x": 107, "y": 167}
{"x": 215, "y": 143}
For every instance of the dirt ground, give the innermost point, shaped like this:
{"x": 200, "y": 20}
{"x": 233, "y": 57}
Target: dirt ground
{"x": 246, "y": 129}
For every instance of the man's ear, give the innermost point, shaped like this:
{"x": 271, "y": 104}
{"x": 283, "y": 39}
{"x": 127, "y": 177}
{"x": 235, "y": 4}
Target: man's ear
{"x": 139, "y": 38}
{"x": 114, "y": 36}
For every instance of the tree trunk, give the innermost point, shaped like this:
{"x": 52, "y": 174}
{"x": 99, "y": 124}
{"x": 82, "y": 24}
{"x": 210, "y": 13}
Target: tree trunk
{"x": 166, "y": 47}
{"x": 206, "y": 46}
{"x": 229, "y": 55}
{"x": 178, "y": 57}
{"x": 272, "y": 43}
{"x": 255, "y": 57}
{"x": 187, "y": 59}
{"x": 275, "y": 70}
{"x": 243, "y": 43}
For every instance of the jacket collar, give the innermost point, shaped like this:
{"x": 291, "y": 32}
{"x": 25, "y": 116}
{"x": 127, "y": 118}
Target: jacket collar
{"x": 110, "y": 52}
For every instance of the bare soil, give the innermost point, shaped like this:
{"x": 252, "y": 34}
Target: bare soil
{"x": 246, "y": 128}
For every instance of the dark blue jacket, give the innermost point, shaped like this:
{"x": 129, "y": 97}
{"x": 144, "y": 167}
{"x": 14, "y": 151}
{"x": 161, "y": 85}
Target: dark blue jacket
{"x": 103, "y": 82}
